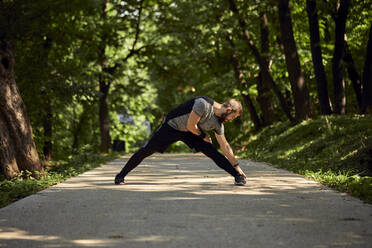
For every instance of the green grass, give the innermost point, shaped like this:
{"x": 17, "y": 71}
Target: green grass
{"x": 333, "y": 150}
{"x": 24, "y": 185}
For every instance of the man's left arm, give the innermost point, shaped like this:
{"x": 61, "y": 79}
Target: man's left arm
{"x": 226, "y": 149}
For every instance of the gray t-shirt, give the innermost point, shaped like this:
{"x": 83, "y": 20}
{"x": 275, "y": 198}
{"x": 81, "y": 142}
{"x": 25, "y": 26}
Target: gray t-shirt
{"x": 208, "y": 120}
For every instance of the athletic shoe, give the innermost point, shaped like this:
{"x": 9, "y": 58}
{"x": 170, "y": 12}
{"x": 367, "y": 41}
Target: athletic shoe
{"x": 239, "y": 180}
{"x": 119, "y": 180}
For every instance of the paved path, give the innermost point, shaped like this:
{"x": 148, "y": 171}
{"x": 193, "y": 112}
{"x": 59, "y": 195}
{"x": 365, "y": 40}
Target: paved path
{"x": 186, "y": 201}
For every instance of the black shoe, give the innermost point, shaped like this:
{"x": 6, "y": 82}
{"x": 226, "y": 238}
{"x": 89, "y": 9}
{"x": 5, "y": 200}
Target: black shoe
{"x": 119, "y": 180}
{"x": 239, "y": 180}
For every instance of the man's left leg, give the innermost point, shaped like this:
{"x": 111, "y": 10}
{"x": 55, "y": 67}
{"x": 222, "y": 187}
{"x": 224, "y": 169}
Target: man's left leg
{"x": 210, "y": 151}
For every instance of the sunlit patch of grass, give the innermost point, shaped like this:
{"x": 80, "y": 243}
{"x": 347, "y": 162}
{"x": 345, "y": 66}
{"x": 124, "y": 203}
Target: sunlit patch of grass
{"x": 333, "y": 150}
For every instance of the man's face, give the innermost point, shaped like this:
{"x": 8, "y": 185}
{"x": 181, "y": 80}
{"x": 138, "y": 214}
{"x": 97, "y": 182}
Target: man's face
{"x": 229, "y": 115}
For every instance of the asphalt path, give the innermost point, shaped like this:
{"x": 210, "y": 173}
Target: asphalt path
{"x": 185, "y": 200}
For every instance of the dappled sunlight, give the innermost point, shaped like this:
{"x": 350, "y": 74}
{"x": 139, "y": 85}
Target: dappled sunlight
{"x": 23, "y": 237}
{"x": 157, "y": 238}
{"x": 15, "y": 233}
{"x": 192, "y": 179}
{"x": 181, "y": 203}
{"x": 176, "y": 198}
{"x": 92, "y": 242}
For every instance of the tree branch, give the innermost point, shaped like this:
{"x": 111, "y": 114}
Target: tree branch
{"x": 138, "y": 30}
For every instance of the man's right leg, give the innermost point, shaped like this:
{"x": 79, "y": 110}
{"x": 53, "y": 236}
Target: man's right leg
{"x": 133, "y": 162}
{"x": 159, "y": 141}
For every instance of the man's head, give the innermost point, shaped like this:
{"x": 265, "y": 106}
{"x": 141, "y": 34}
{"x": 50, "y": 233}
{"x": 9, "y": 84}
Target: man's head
{"x": 231, "y": 109}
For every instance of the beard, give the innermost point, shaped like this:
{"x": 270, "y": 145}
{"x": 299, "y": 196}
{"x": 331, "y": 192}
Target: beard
{"x": 223, "y": 117}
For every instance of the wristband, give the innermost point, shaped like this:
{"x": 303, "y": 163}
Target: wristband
{"x": 202, "y": 135}
{"x": 235, "y": 165}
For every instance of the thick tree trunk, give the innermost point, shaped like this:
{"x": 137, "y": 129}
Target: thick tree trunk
{"x": 263, "y": 87}
{"x": 18, "y": 150}
{"x": 337, "y": 61}
{"x": 300, "y": 92}
{"x": 316, "y": 53}
{"x": 8, "y": 162}
{"x": 367, "y": 78}
{"x": 353, "y": 75}
{"x": 265, "y": 72}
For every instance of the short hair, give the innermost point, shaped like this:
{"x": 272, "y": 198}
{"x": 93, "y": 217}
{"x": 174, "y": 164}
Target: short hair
{"x": 235, "y": 105}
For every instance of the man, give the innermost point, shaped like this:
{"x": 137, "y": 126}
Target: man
{"x": 187, "y": 122}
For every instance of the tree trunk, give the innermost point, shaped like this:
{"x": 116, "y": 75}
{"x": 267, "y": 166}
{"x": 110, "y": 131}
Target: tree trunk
{"x": 242, "y": 84}
{"x": 353, "y": 74}
{"x": 263, "y": 86}
{"x": 316, "y": 53}
{"x": 367, "y": 78}
{"x": 252, "y": 110}
{"x": 47, "y": 125}
{"x": 104, "y": 86}
{"x": 337, "y": 61}
{"x": 18, "y": 150}
{"x": 8, "y": 162}
{"x": 47, "y": 107}
{"x": 300, "y": 92}
{"x": 104, "y": 120}
{"x": 76, "y": 133}
{"x": 265, "y": 72}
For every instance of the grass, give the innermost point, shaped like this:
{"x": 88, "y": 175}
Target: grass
{"x": 24, "y": 185}
{"x": 335, "y": 151}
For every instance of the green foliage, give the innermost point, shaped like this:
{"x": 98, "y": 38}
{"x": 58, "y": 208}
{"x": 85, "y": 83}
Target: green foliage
{"x": 24, "y": 185}
{"x": 333, "y": 150}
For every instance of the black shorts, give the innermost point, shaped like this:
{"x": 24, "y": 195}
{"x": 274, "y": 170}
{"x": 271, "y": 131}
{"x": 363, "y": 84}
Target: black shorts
{"x": 167, "y": 135}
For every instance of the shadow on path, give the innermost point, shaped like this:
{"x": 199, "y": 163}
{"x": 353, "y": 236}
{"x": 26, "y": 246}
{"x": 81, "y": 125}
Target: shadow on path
{"x": 185, "y": 200}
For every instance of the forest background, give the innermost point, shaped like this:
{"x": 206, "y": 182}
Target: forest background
{"x": 77, "y": 75}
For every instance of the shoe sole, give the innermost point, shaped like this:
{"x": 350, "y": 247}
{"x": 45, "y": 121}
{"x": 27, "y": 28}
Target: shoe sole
{"x": 239, "y": 184}
{"x": 120, "y": 183}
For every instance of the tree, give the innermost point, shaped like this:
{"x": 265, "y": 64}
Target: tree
{"x": 367, "y": 77}
{"x": 353, "y": 74}
{"x": 340, "y": 18}
{"x": 264, "y": 70}
{"x": 316, "y": 53}
{"x": 18, "y": 150}
{"x": 109, "y": 37}
{"x": 302, "y": 102}
{"x": 242, "y": 84}
{"x": 263, "y": 86}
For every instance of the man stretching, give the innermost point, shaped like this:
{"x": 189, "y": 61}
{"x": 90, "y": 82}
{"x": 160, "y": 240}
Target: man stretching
{"x": 187, "y": 122}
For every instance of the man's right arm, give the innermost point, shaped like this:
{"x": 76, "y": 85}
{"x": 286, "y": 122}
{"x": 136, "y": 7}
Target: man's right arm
{"x": 192, "y": 126}
{"x": 192, "y": 123}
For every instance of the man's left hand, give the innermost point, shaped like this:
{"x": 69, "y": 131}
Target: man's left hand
{"x": 208, "y": 139}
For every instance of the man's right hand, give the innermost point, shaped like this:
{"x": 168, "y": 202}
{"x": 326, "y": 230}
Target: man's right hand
{"x": 240, "y": 171}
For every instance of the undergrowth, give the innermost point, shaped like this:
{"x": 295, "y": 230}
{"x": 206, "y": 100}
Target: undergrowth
{"x": 335, "y": 151}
